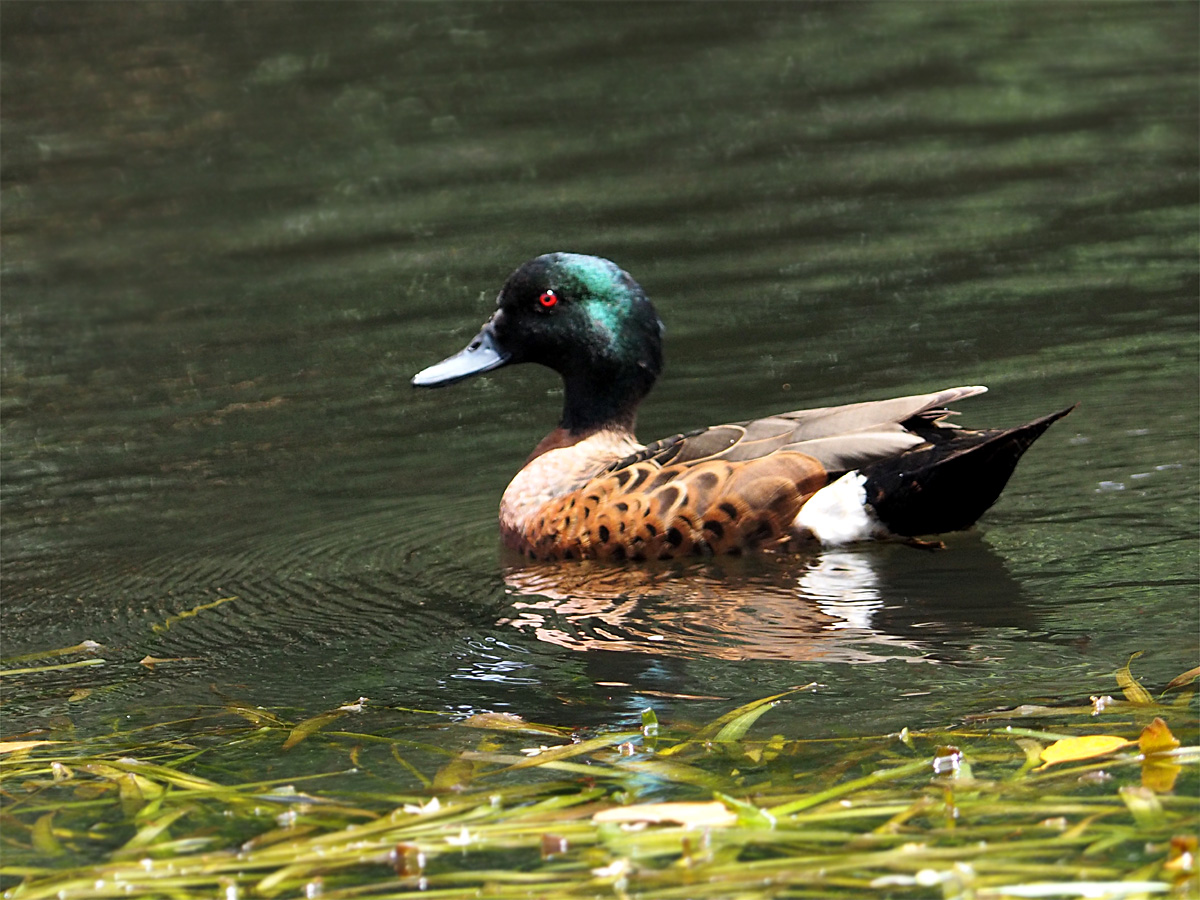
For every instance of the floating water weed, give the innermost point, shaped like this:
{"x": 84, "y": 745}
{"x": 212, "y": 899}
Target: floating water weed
{"x": 499, "y": 807}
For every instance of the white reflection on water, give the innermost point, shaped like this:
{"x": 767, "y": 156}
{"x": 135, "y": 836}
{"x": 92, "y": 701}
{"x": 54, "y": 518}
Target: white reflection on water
{"x": 845, "y": 587}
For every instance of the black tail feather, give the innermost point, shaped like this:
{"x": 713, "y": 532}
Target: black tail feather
{"x": 949, "y": 483}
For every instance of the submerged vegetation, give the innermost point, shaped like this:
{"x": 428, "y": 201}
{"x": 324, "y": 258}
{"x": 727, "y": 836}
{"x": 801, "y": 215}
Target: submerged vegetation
{"x": 1097, "y": 800}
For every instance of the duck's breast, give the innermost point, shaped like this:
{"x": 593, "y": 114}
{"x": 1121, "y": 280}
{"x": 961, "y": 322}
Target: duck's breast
{"x": 647, "y": 511}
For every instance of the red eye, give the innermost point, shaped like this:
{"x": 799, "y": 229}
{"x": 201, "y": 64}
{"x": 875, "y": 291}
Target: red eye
{"x": 548, "y": 299}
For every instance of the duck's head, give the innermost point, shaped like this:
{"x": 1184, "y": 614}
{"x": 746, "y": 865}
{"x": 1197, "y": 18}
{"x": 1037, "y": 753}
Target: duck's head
{"x": 581, "y": 316}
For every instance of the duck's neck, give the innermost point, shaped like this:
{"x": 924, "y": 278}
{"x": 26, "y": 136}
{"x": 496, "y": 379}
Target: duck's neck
{"x": 609, "y": 403}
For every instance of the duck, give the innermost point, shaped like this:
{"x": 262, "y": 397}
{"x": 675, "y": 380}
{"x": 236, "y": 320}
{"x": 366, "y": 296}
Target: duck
{"x": 875, "y": 470}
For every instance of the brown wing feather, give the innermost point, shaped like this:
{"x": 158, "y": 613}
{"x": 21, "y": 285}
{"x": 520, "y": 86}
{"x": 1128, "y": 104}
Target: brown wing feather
{"x": 647, "y": 512}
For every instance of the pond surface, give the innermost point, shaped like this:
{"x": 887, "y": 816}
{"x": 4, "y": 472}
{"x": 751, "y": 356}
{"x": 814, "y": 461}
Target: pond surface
{"x": 232, "y": 233}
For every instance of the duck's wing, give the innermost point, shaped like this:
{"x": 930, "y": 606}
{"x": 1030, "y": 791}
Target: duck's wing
{"x": 839, "y": 437}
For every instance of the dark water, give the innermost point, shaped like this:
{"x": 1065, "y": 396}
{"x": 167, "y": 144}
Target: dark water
{"x": 231, "y": 233}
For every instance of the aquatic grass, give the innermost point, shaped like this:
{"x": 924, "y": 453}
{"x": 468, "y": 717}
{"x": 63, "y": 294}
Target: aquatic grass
{"x": 500, "y": 807}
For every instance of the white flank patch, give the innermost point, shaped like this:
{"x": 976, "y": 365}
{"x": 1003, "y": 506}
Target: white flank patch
{"x": 838, "y": 513}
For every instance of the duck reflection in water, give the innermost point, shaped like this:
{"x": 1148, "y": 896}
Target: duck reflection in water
{"x": 856, "y": 605}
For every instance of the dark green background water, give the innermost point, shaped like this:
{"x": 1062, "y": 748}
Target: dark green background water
{"x": 231, "y": 233}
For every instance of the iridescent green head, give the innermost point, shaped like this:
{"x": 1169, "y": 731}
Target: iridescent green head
{"x": 581, "y": 316}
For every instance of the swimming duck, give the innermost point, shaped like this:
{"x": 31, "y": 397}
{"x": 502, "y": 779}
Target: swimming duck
{"x": 835, "y": 475}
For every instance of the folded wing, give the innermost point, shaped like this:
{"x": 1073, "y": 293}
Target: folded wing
{"x": 839, "y": 437}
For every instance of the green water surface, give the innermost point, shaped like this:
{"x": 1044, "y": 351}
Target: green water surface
{"x": 231, "y": 234}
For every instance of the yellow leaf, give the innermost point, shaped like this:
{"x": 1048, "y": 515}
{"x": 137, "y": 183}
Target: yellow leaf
{"x": 15, "y": 746}
{"x": 693, "y": 815}
{"x": 1133, "y": 691}
{"x": 38, "y": 669}
{"x": 1075, "y": 749}
{"x": 1157, "y": 738}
